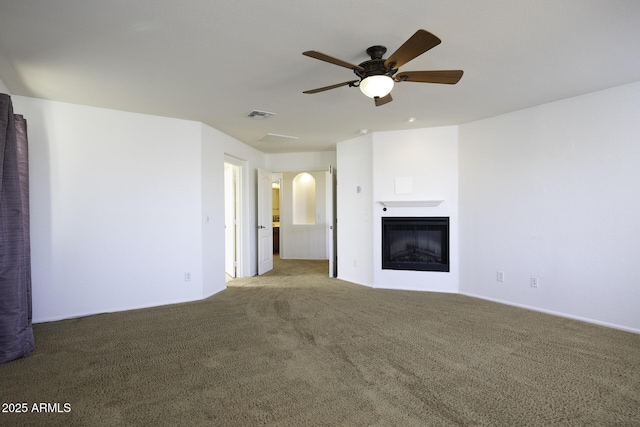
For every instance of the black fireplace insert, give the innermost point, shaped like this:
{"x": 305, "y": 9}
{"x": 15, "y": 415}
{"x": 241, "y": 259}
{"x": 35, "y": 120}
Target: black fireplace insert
{"x": 415, "y": 243}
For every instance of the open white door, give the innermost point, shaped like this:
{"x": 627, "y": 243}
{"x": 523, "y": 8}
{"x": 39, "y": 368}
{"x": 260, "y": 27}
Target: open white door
{"x": 265, "y": 222}
{"x": 230, "y": 222}
{"x": 331, "y": 222}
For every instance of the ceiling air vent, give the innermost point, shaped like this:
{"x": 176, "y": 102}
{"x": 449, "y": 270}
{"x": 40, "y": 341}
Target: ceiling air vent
{"x": 275, "y": 137}
{"x": 259, "y": 115}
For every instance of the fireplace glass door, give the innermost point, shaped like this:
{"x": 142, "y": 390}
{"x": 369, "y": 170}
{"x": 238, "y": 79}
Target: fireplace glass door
{"x": 415, "y": 243}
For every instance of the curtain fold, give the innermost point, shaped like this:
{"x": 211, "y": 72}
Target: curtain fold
{"x": 16, "y": 332}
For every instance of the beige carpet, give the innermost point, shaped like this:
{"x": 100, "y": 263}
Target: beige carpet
{"x": 294, "y": 347}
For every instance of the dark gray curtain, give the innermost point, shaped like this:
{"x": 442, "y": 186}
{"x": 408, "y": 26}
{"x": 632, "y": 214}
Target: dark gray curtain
{"x": 16, "y": 333}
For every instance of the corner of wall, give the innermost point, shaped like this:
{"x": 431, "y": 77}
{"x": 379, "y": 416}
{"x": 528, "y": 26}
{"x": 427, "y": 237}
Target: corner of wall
{"x": 4, "y": 88}
{"x": 354, "y": 204}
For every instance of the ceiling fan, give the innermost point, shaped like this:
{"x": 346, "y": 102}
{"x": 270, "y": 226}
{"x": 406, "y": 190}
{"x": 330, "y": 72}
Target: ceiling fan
{"x": 377, "y": 75}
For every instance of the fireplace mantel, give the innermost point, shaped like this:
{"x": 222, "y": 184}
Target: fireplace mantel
{"x": 412, "y": 203}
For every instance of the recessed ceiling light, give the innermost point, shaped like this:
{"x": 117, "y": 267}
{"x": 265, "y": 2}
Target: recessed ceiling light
{"x": 363, "y": 131}
{"x": 410, "y": 119}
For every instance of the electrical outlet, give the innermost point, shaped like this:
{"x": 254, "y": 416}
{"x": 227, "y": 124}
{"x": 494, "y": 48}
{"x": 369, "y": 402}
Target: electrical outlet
{"x": 534, "y": 282}
{"x": 187, "y": 277}
{"x": 500, "y": 276}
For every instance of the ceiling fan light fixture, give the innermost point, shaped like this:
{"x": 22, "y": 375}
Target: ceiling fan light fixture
{"x": 376, "y": 86}
{"x": 378, "y": 75}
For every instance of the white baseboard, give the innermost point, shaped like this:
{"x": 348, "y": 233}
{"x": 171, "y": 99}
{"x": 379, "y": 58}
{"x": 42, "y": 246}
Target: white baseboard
{"x": 355, "y": 282}
{"x": 556, "y": 313}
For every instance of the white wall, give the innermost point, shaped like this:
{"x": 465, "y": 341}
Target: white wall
{"x": 115, "y": 209}
{"x": 354, "y": 210}
{"x": 294, "y": 162}
{"x": 212, "y": 215}
{"x": 552, "y": 192}
{"x": 119, "y": 208}
{"x": 428, "y": 160}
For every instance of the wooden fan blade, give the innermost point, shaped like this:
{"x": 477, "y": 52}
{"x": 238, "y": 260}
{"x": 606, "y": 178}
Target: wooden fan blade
{"x": 384, "y": 100}
{"x": 322, "y": 89}
{"x": 448, "y": 77}
{"x": 330, "y": 59}
{"x": 417, "y": 44}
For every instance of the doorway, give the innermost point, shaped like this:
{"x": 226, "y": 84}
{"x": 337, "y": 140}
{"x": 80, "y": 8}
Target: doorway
{"x": 275, "y": 201}
{"x": 306, "y": 213}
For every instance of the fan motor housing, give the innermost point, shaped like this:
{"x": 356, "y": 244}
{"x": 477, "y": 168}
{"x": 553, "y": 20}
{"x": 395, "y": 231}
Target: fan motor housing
{"x": 375, "y": 66}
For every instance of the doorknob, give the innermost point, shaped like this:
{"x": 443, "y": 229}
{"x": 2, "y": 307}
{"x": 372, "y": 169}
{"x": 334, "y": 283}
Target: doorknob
{"x": 261, "y": 226}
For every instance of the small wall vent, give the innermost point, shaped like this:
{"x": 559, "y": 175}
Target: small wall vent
{"x": 259, "y": 114}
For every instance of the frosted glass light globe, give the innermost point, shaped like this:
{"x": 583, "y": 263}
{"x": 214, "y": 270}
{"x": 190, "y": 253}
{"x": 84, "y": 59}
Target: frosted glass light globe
{"x": 374, "y": 86}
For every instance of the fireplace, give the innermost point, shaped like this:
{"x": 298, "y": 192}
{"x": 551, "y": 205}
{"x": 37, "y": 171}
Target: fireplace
{"x": 415, "y": 243}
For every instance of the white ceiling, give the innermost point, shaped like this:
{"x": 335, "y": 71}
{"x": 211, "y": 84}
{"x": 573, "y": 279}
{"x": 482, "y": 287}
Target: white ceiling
{"x": 215, "y": 61}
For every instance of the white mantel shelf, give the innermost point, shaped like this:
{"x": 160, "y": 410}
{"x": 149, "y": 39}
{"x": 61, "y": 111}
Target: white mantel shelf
{"x": 412, "y": 203}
